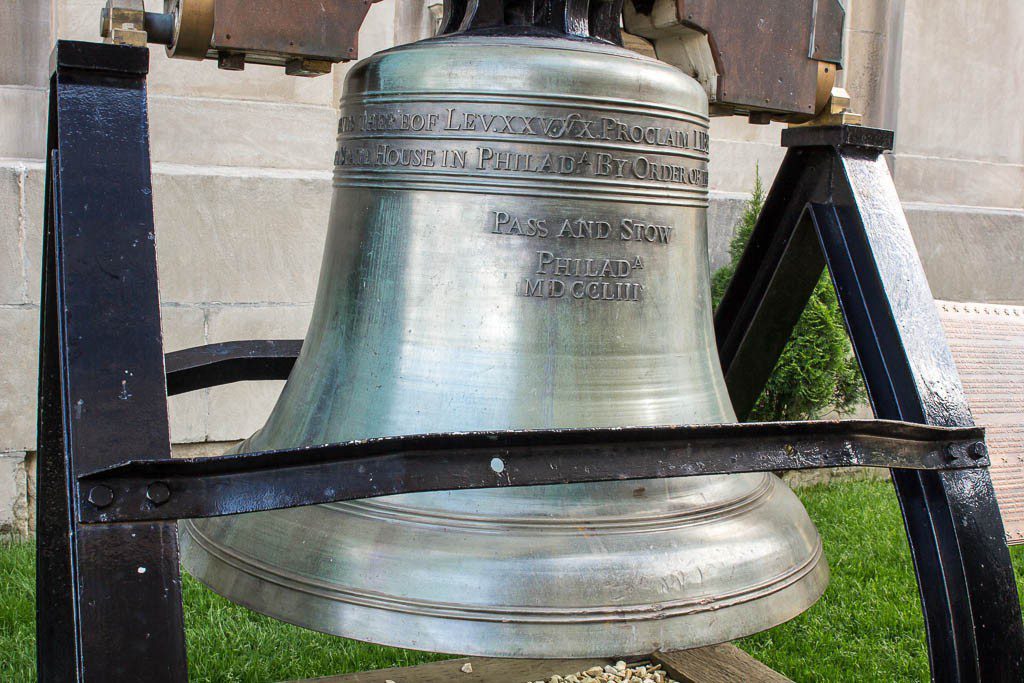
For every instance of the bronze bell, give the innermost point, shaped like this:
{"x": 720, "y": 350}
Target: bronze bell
{"x": 518, "y": 241}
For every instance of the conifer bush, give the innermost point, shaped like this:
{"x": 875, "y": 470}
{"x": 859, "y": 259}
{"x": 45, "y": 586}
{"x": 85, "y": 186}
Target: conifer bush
{"x": 817, "y": 372}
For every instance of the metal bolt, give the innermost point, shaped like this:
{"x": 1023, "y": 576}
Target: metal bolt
{"x": 158, "y": 493}
{"x": 977, "y": 450}
{"x": 231, "y": 61}
{"x": 307, "y": 67}
{"x": 101, "y": 496}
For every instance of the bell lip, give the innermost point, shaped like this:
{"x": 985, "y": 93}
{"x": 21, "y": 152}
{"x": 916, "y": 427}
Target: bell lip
{"x": 555, "y": 640}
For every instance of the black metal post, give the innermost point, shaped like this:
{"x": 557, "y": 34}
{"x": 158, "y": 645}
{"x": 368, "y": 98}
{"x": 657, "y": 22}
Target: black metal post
{"x": 109, "y": 595}
{"x": 834, "y": 202}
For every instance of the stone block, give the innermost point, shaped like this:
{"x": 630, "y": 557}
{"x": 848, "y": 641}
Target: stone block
{"x": 258, "y": 83}
{"x": 738, "y": 129}
{"x": 238, "y": 410}
{"x": 14, "y": 514}
{"x": 32, "y": 205}
{"x": 235, "y": 323}
{"x": 864, "y": 74}
{"x": 868, "y": 15}
{"x": 413, "y": 21}
{"x": 944, "y": 180}
{"x": 970, "y": 254}
{"x": 734, "y": 164}
{"x": 724, "y": 214}
{"x": 22, "y": 122}
{"x": 13, "y": 288}
{"x": 240, "y": 239}
{"x": 211, "y": 132}
{"x": 19, "y": 331}
{"x": 183, "y": 328}
{"x": 959, "y": 83}
{"x": 78, "y": 19}
{"x": 24, "y": 42}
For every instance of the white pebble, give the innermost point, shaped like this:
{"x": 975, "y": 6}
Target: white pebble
{"x": 467, "y": 668}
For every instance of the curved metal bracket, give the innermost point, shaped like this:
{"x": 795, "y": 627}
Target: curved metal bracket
{"x": 215, "y": 364}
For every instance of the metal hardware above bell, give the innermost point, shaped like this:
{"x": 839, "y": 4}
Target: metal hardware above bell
{"x": 707, "y": 39}
{"x": 307, "y": 37}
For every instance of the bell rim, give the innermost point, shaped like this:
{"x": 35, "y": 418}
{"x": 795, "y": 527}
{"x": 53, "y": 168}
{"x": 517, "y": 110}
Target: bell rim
{"x": 666, "y": 609}
{"x": 619, "y": 633}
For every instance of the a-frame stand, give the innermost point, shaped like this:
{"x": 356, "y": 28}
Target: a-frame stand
{"x": 834, "y": 203}
{"x": 109, "y": 593}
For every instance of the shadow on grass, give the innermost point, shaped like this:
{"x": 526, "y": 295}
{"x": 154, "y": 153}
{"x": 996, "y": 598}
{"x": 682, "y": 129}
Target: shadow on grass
{"x": 867, "y": 627}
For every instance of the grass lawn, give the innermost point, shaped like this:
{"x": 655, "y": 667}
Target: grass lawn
{"x": 867, "y": 627}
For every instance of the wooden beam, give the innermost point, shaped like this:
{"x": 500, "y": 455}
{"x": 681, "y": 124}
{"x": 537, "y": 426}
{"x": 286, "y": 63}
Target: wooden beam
{"x": 724, "y": 663}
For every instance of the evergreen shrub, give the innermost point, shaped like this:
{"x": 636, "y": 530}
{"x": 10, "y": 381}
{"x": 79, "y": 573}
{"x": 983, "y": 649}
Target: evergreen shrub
{"x": 817, "y": 372}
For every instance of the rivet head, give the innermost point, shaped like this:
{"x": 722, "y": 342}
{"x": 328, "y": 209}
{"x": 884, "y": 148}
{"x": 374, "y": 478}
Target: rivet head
{"x": 158, "y": 493}
{"x": 976, "y": 450}
{"x": 101, "y": 496}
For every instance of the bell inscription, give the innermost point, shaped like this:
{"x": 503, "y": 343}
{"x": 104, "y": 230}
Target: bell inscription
{"x": 655, "y": 147}
{"x": 584, "y": 279}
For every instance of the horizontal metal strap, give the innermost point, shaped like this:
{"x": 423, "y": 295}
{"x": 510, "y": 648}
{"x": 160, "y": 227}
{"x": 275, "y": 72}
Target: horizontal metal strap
{"x": 232, "y": 484}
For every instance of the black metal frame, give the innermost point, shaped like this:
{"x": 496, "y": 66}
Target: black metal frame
{"x": 834, "y": 202}
{"x": 109, "y": 591}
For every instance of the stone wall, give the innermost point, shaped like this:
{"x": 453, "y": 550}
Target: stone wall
{"x": 241, "y": 175}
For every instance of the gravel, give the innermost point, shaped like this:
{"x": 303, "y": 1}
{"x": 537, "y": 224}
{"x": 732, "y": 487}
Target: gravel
{"x": 651, "y": 673}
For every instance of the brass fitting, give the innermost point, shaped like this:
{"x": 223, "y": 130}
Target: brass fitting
{"x": 123, "y": 22}
{"x": 193, "y": 28}
{"x": 826, "y": 83}
{"x": 836, "y": 112}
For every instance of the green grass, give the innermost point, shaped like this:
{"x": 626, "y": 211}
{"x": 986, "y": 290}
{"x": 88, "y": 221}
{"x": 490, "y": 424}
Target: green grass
{"x": 867, "y": 627}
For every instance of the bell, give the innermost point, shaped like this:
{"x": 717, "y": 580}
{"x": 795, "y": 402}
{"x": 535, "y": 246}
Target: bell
{"x": 518, "y": 241}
